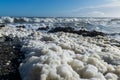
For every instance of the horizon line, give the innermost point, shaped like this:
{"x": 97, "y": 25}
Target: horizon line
{"x": 62, "y": 16}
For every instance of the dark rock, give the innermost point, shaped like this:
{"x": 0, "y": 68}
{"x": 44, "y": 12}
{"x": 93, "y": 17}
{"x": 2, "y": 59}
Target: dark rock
{"x": 19, "y": 20}
{"x": 8, "y": 38}
{"x": 80, "y": 32}
{"x": 20, "y": 26}
{"x": 115, "y": 19}
{"x": 90, "y": 33}
{"x": 63, "y": 29}
{"x": 43, "y": 28}
{"x": 2, "y": 25}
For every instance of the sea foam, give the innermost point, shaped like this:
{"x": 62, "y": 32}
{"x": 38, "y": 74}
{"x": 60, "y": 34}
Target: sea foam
{"x": 66, "y": 56}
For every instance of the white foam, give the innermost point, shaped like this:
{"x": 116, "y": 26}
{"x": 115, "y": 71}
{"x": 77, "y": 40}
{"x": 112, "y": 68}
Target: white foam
{"x": 66, "y": 56}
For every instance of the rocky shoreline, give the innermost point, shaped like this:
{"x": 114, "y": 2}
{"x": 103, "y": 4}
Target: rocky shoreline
{"x": 82, "y": 32}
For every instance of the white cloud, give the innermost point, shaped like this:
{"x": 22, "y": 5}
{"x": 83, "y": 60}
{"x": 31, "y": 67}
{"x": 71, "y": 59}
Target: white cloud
{"x": 112, "y": 0}
{"x": 112, "y": 8}
{"x": 113, "y": 3}
{"x": 96, "y": 14}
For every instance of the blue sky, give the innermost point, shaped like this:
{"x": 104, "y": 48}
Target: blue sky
{"x": 65, "y": 8}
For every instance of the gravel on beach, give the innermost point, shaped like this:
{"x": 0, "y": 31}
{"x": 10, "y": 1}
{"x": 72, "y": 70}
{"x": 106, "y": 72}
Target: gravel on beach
{"x": 10, "y": 58}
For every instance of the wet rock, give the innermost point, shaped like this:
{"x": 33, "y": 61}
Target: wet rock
{"x": 19, "y": 20}
{"x": 90, "y": 33}
{"x": 20, "y": 26}
{"x": 115, "y": 19}
{"x": 8, "y": 38}
{"x": 80, "y": 32}
{"x": 43, "y": 28}
{"x": 64, "y": 29}
{"x": 2, "y": 25}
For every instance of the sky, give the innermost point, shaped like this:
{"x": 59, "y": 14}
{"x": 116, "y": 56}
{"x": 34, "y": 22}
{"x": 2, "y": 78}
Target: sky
{"x": 60, "y": 8}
